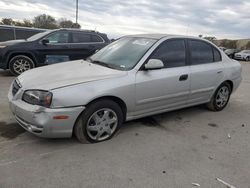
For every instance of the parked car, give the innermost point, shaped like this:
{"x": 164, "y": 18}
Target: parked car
{"x": 133, "y": 77}
{"x": 48, "y": 48}
{"x": 222, "y": 48}
{"x": 243, "y": 55}
{"x": 231, "y": 52}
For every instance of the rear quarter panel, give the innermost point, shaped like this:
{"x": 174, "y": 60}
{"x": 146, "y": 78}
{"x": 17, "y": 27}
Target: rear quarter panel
{"x": 233, "y": 72}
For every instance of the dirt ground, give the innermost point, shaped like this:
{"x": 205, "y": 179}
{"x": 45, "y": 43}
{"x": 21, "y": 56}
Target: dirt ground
{"x": 173, "y": 149}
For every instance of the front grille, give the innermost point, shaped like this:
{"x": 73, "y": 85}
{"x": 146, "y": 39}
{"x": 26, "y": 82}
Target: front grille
{"x": 15, "y": 88}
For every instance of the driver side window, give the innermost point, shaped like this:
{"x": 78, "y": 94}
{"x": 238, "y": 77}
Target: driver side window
{"x": 58, "y": 37}
{"x": 172, "y": 53}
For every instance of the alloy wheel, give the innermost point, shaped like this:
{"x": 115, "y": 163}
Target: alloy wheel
{"x": 222, "y": 96}
{"x": 21, "y": 65}
{"x": 102, "y": 124}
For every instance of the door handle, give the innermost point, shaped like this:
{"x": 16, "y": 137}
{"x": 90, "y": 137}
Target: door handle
{"x": 183, "y": 77}
{"x": 219, "y": 72}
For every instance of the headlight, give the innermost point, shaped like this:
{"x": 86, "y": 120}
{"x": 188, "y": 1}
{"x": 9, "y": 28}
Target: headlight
{"x": 38, "y": 97}
{"x": 2, "y": 46}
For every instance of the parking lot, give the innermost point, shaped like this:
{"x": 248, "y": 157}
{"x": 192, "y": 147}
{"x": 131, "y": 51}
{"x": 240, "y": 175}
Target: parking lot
{"x": 173, "y": 149}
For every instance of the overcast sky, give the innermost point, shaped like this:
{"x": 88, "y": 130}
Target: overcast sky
{"x": 220, "y": 18}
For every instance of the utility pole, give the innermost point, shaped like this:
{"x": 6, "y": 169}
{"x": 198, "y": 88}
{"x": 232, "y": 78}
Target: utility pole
{"x": 76, "y": 11}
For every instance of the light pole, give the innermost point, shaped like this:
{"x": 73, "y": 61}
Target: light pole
{"x": 76, "y": 11}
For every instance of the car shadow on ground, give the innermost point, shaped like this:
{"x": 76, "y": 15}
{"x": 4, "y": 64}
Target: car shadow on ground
{"x": 5, "y": 73}
{"x": 165, "y": 120}
{"x": 11, "y": 131}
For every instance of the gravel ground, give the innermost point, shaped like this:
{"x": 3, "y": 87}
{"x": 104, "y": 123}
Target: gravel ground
{"x": 169, "y": 150}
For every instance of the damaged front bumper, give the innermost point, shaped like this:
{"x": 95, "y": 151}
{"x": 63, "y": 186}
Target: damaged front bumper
{"x": 40, "y": 120}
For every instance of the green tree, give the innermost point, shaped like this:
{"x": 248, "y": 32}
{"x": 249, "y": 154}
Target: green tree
{"x": 45, "y": 21}
{"x": 7, "y": 21}
{"x": 64, "y": 23}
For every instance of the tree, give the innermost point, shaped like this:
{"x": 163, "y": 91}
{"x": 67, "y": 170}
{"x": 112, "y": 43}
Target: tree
{"x": 248, "y": 45}
{"x": 210, "y": 38}
{"x": 45, "y": 21}
{"x": 27, "y": 23}
{"x": 230, "y": 44}
{"x": 7, "y": 21}
{"x": 64, "y": 23}
{"x": 76, "y": 25}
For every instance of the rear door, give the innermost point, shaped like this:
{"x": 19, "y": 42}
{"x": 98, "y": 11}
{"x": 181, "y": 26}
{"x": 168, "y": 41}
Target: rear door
{"x": 84, "y": 44}
{"x": 207, "y": 70}
{"x": 164, "y": 88}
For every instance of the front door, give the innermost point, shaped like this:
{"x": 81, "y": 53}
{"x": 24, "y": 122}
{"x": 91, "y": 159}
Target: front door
{"x": 165, "y": 88}
{"x": 57, "y": 50}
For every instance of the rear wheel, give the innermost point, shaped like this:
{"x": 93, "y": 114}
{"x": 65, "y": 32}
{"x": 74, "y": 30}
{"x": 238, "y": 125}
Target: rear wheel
{"x": 20, "y": 64}
{"x": 99, "y": 122}
{"x": 221, "y": 97}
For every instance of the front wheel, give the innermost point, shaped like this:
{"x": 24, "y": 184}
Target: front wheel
{"x": 248, "y": 59}
{"x": 20, "y": 64}
{"x": 220, "y": 98}
{"x": 99, "y": 122}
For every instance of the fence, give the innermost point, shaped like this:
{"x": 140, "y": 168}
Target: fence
{"x": 14, "y": 32}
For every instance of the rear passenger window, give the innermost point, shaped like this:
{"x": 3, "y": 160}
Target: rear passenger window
{"x": 200, "y": 52}
{"x": 172, "y": 53}
{"x": 81, "y": 37}
{"x": 96, "y": 38}
{"x": 217, "y": 55}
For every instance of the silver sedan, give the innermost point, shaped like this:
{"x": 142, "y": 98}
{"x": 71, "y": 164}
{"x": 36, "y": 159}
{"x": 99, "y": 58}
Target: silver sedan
{"x": 133, "y": 77}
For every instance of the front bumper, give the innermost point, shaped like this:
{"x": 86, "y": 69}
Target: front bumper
{"x": 40, "y": 120}
{"x": 239, "y": 58}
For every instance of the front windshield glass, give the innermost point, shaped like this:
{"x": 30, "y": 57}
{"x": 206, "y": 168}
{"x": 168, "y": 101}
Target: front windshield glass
{"x": 123, "y": 54}
{"x": 38, "y": 36}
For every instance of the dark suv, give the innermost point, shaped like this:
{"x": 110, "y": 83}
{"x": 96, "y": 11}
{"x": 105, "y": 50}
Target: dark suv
{"x": 49, "y": 47}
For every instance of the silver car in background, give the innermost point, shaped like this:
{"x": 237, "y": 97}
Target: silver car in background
{"x": 243, "y": 55}
{"x": 134, "y": 77}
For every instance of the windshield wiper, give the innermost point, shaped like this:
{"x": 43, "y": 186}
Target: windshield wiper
{"x": 101, "y": 63}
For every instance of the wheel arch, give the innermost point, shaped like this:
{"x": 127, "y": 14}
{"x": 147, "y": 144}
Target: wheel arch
{"x": 28, "y": 54}
{"x": 118, "y": 100}
{"x": 230, "y": 83}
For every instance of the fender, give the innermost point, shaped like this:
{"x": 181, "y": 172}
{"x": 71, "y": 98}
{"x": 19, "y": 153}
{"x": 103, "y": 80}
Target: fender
{"x": 13, "y": 53}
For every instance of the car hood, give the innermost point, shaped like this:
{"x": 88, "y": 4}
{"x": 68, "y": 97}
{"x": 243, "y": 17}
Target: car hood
{"x": 11, "y": 42}
{"x": 66, "y": 74}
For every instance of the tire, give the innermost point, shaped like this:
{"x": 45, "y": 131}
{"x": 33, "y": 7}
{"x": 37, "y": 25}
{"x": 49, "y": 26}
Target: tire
{"x": 20, "y": 64}
{"x": 248, "y": 59}
{"x": 219, "y": 101}
{"x": 93, "y": 122}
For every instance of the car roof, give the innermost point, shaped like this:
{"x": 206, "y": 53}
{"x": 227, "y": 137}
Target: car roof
{"x": 75, "y": 29}
{"x": 160, "y": 36}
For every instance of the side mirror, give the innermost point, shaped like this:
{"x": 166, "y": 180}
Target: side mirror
{"x": 153, "y": 64}
{"x": 45, "y": 41}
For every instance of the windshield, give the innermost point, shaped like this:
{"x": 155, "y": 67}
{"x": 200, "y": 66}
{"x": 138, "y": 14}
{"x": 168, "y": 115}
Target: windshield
{"x": 38, "y": 36}
{"x": 123, "y": 54}
{"x": 229, "y": 50}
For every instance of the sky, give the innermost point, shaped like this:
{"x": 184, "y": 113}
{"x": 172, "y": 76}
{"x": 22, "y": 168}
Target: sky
{"x": 219, "y": 18}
